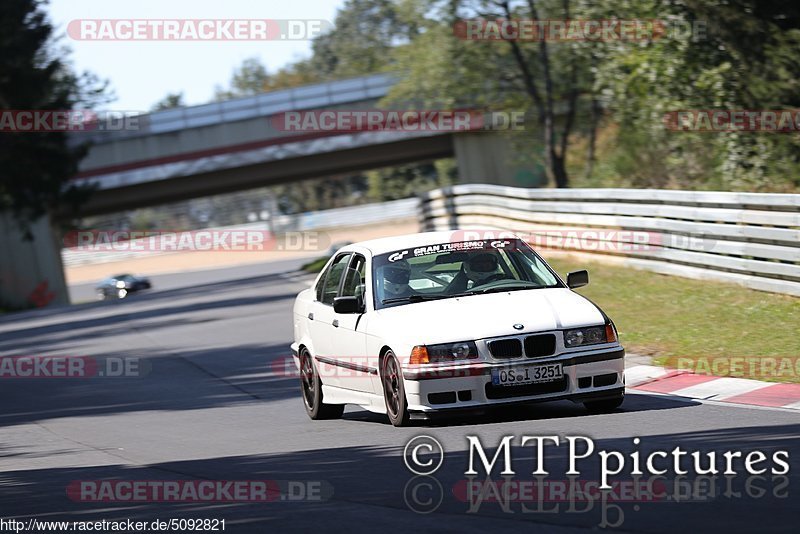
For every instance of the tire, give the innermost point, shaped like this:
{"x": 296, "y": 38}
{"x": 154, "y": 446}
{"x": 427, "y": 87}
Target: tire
{"x": 605, "y": 405}
{"x": 394, "y": 393}
{"x": 311, "y": 389}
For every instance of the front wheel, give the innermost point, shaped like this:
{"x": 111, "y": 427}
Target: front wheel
{"x": 604, "y": 406}
{"x": 393, "y": 391}
{"x": 311, "y": 387}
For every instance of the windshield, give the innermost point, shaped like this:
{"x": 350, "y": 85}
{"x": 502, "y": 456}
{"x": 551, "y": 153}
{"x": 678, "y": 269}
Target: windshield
{"x": 447, "y": 270}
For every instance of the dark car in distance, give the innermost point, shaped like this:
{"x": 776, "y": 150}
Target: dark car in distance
{"x": 120, "y": 286}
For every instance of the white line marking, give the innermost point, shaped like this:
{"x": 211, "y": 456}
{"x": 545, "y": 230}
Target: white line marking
{"x": 721, "y": 388}
{"x": 721, "y": 404}
{"x": 640, "y": 374}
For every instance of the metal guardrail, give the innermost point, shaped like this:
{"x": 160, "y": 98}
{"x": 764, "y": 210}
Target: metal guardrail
{"x": 752, "y": 239}
{"x": 302, "y": 222}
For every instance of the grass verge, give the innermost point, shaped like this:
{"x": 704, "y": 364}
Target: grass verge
{"x": 315, "y": 266}
{"x": 723, "y": 329}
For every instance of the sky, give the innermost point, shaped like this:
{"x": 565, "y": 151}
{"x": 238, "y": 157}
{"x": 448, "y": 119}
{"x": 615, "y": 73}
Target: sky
{"x": 142, "y": 72}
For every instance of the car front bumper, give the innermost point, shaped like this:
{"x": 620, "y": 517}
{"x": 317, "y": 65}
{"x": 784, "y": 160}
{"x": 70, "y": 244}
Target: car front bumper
{"x": 587, "y": 375}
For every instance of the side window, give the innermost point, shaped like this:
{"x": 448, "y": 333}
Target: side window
{"x": 330, "y": 287}
{"x": 321, "y": 284}
{"x": 355, "y": 278}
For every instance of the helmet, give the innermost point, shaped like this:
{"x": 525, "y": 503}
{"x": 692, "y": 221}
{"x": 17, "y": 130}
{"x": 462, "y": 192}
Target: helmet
{"x": 480, "y": 266}
{"x": 395, "y": 278}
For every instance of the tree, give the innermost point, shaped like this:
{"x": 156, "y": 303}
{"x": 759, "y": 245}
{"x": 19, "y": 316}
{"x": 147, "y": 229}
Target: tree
{"x": 552, "y": 82}
{"x": 172, "y": 100}
{"x": 362, "y": 39}
{"x": 250, "y": 78}
{"x": 745, "y": 56}
{"x": 37, "y": 166}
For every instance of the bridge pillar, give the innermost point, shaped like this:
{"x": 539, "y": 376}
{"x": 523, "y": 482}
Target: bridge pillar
{"x": 489, "y": 158}
{"x": 31, "y": 272}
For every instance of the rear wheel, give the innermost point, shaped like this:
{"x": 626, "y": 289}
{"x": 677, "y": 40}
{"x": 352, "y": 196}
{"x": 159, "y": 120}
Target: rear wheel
{"x": 393, "y": 391}
{"x": 311, "y": 386}
{"x": 605, "y": 405}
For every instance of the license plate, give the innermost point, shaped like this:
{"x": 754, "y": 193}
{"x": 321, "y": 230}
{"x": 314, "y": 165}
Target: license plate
{"x": 530, "y": 374}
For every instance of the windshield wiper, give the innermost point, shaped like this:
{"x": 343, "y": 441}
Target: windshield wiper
{"x": 500, "y": 289}
{"x": 420, "y": 298}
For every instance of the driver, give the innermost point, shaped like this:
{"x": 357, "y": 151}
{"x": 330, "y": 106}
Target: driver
{"x": 480, "y": 267}
{"x": 476, "y": 270}
{"x": 395, "y": 278}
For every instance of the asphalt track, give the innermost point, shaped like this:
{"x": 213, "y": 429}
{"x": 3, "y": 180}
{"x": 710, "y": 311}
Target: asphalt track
{"x": 210, "y": 407}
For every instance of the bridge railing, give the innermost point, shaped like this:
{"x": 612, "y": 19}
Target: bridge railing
{"x": 752, "y": 239}
{"x": 321, "y": 95}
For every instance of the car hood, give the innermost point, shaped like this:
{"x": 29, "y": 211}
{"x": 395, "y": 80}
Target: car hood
{"x": 490, "y": 315}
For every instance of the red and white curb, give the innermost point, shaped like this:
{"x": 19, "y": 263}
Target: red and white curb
{"x": 654, "y": 379}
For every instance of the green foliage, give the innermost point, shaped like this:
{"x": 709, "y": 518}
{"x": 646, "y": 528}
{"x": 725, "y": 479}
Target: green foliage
{"x": 745, "y": 55}
{"x": 408, "y": 180}
{"x": 316, "y": 265}
{"x": 364, "y": 34}
{"x": 36, "y": 166}
{"x": 671, "y": 317}
{"x": 172, "y": 100}
{"x": 250, "y": 78}
{"x": 595, "y": 109}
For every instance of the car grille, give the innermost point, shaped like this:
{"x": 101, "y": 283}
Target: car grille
{"x": 540, "y": 345}
{"x": 536, "y": 346}
{"x": 506, "y": 348}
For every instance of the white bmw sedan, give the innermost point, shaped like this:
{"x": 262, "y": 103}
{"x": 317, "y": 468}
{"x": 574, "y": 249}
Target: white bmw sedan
{"x": 433, "y": 322}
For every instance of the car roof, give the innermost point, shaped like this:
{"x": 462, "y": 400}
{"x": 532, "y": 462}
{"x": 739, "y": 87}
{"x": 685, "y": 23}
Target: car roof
{"x": 389, "y": 244}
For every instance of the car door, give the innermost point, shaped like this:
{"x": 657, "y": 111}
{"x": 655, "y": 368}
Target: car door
{"x": 321, "y": 317}
{"x": 349, "y": 337}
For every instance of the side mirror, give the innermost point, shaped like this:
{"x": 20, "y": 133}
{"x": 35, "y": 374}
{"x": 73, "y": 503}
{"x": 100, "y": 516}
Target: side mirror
{"x": 347, "y": 304}
{"x": 577, "y": 279}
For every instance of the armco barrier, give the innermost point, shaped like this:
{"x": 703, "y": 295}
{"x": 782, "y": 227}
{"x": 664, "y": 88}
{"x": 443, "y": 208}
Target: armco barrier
{"x": 752, "y": 239}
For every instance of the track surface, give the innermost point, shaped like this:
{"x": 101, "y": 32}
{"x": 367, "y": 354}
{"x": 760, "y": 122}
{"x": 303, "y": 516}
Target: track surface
{"x": 211, "y": 407}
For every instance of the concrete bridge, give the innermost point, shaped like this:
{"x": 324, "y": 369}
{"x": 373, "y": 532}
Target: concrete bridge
{"x": 228, "y": 146}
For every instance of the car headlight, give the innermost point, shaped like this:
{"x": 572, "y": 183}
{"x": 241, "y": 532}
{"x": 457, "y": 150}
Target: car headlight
{"x": 444, "y": 352}
{"x": 591, "y": 335}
